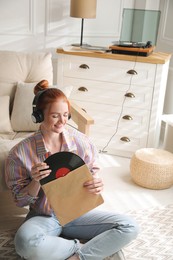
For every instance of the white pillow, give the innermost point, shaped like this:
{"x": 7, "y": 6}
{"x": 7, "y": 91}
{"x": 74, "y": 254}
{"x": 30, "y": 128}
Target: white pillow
{"x": 7, "y": 89}
{"x": 22, "y": 107}
{"x": 66, "y": 90}
{"x": 5, "y": 125}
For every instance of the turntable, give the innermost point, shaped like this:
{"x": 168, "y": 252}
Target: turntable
{"x": 132, "y": 48}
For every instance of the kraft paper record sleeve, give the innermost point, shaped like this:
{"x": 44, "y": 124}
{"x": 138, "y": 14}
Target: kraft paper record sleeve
{"x": 64, "y": 187}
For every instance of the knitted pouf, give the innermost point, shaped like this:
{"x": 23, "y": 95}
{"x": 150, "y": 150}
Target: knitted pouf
{"x": 152, "y": 168}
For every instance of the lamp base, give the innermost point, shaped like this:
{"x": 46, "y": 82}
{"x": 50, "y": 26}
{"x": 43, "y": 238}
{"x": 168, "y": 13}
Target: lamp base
{"x": 79, "y": 45}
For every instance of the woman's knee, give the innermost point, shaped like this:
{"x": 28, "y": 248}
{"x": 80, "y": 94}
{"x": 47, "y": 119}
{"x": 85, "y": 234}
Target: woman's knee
{"x": 25, "y": 242}
{"x": 129, "y": 227}
{"x": 133, "y": 229}
{"x": 33, "y": 232}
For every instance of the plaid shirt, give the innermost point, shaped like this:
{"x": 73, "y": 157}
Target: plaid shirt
{"x": 31, "y": 151}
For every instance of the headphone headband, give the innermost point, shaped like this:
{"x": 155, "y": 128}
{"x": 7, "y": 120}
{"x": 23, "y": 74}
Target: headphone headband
{"x": 36, "y": 98}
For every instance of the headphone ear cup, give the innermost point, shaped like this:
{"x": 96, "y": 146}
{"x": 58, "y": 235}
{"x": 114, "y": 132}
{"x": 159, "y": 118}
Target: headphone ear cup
{"x": 37, "y": 116}
{"x": 69, "y": 116}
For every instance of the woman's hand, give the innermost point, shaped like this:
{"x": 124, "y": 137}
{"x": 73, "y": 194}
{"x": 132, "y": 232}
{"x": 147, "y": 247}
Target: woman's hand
{"x": 40, "y": 171}
{"x": 94, "y": 186}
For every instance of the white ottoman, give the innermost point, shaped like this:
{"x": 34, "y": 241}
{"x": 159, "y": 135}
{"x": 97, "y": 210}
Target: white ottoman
{"x": 152, "y": 168}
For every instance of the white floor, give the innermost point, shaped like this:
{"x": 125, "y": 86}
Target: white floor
{"x": 122, "y": 194}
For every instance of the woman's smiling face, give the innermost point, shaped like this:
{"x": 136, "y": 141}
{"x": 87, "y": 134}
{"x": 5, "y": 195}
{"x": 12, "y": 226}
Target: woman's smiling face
{"x": 56, "y": 116}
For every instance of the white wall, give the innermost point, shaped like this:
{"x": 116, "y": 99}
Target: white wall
{"x": 38, "y": 24}
{"x": 165, "y": 44}
{"x": 29, "y": 25}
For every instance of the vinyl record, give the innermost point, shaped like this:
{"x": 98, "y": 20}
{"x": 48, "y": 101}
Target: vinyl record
{"x": 61, "y": 163}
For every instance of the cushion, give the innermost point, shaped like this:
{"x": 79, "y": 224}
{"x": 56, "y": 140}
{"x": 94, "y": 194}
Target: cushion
{"x": 66, "y": 90}
{"x": 22, "y": 107}
{"x": 26, "y": 67}
{"x": 5, "y": 125}
{"x": 8, "y": 89}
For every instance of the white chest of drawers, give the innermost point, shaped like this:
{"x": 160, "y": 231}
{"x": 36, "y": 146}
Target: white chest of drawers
{"x": 124, "y": 94}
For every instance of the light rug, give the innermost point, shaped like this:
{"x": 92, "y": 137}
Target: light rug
{"x": 7, "y": 251}
{"x": 155, "y": 241}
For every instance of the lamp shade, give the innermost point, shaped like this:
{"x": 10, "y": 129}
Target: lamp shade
{"x": 83, "y": 8}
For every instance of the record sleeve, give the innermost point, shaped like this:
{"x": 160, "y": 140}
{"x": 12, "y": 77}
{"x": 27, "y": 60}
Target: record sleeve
{"x": 66, "y": 195}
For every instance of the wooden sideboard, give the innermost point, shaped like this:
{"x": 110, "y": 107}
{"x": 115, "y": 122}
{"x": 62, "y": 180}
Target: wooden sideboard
{"x": 124, "y": 94}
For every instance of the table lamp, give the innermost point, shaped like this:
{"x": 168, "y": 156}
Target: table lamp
{"x": 82, "y": 9}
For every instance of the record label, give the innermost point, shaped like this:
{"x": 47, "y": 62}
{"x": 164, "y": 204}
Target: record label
{"x": 62, "y": 172}
{"x": 61, "y": 164}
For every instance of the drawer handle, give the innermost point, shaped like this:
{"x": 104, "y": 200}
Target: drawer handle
{"x": 84, "y": 110}
{"x": 132, "y": 72}
{"x": 125, "y": 139}
{"x": 130, "y": 95}
{"x": 84, "y": 89}
{"x": 84, "y": 66}
{"x": 127, "y": 117}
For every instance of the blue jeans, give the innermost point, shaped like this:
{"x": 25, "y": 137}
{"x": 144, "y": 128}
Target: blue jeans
{"x": 105, "y": 233}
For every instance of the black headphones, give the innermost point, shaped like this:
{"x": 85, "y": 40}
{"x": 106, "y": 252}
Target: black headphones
{"x": 37, "y": 114}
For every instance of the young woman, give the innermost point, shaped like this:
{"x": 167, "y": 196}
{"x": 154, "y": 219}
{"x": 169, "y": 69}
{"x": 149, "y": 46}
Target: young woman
{"x": 41, "y": 237}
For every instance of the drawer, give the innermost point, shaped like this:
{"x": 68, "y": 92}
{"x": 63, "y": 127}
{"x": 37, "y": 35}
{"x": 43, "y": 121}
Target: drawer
{"x": 123, "y": 143}
{"x": 108, "y": 70}
{"x": 115, "y": 145}
{"x": 110, "y": 93}
{"x": 130, "y": 119}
